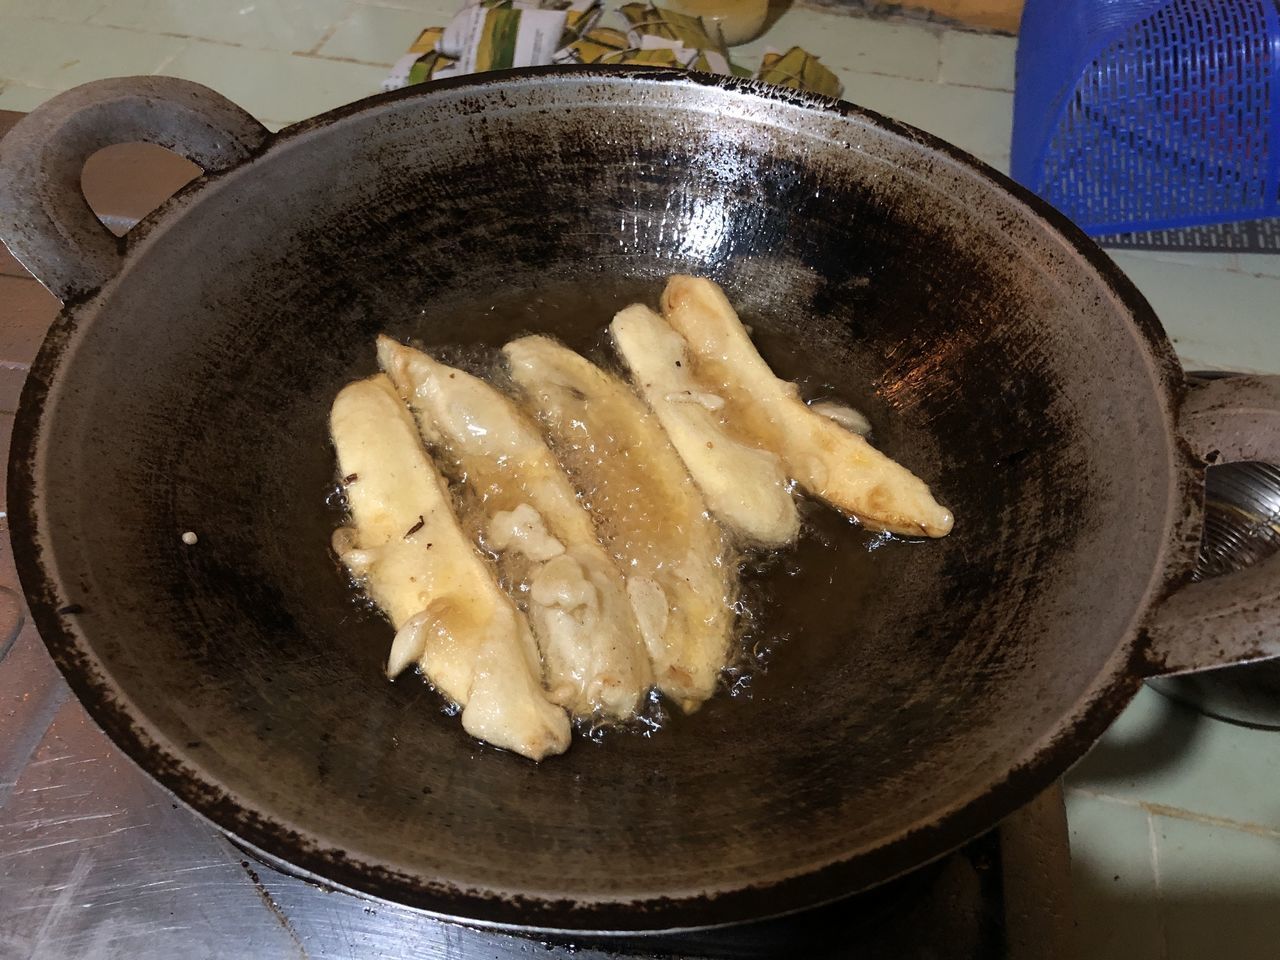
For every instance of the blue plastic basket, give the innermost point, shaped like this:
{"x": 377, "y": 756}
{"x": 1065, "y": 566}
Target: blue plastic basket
{"x": 1150, "y": 114}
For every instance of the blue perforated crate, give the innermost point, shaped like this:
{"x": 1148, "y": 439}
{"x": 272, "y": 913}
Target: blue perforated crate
{"x": 1150, "y": 114}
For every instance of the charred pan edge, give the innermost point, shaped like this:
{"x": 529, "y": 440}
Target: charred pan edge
{"x": 278, "y": 841}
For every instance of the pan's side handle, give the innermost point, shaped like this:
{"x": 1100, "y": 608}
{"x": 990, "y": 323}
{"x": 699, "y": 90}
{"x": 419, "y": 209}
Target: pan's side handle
{"x": 1233, "y": 618}
{"x": 44, "y": 219}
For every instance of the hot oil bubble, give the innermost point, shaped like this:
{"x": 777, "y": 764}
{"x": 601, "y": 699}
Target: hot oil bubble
{"x": 335, "y": 498}
{"x": 736, "y": 681}
{"x": 362, "y": 601}
{"x": 596, "y": 727}
{"x": 881, "y": 539}
{"x": 762, "y": 651}
{"x": 653, "y": 717}
{"x": 650, "y": 718}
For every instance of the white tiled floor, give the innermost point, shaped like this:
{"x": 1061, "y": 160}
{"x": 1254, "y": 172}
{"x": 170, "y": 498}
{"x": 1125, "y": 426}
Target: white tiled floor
{"x": 1175, "y": 828}
{"x": 378, "y": 34}
{"x": 1199, "y": 296}
{"x": 1212, "y": 906}
{"x": 272, "y": 85}
{"x": 283, "y": 60}
{"x": 288, "y": 26}
{"x": 53, "y": 55}
{"x": 1171, "y": 759}
{"x": 1172, "y": 887}
{"x": 975, "y": 60}
{"x": 1114, "y": 877}
{"x": 1175, "y": 818}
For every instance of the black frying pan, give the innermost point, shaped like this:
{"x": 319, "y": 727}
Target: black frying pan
{"x": 915, "y": 695}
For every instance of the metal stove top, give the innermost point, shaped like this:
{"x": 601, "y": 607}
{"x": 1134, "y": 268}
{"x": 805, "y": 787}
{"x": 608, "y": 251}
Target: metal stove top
{"x": 98, "y": 861}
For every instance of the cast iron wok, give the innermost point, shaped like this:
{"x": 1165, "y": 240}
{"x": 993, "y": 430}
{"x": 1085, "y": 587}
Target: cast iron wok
{"x": 922, "y": 692}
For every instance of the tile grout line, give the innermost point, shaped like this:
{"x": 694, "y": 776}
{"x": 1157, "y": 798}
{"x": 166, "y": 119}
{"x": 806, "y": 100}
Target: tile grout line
{"x": 935, "y": 82}
{"x": 379, "y": 5}
{"x": 1180, "y": 813}
{"x": 1155, "y": 876}
{"x": 1210, "y": 820}
{"x": 324, "y": 58}
{"x": 164, "y": 64}
{"x": 87, "y": 18}
{"x": 146, "y": 33}
{"x": 172, "y": 35}
{"x": 328, "y": 33}
{"x": 970, "y": 86}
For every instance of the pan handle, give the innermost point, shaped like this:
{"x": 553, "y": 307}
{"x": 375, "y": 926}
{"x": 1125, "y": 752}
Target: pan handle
{"x": 1234, "y": 618}
{"x": 44, "y": 218}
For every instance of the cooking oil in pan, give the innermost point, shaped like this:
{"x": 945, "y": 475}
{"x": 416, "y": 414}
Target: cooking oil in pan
{"x": 786, "y": 598}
